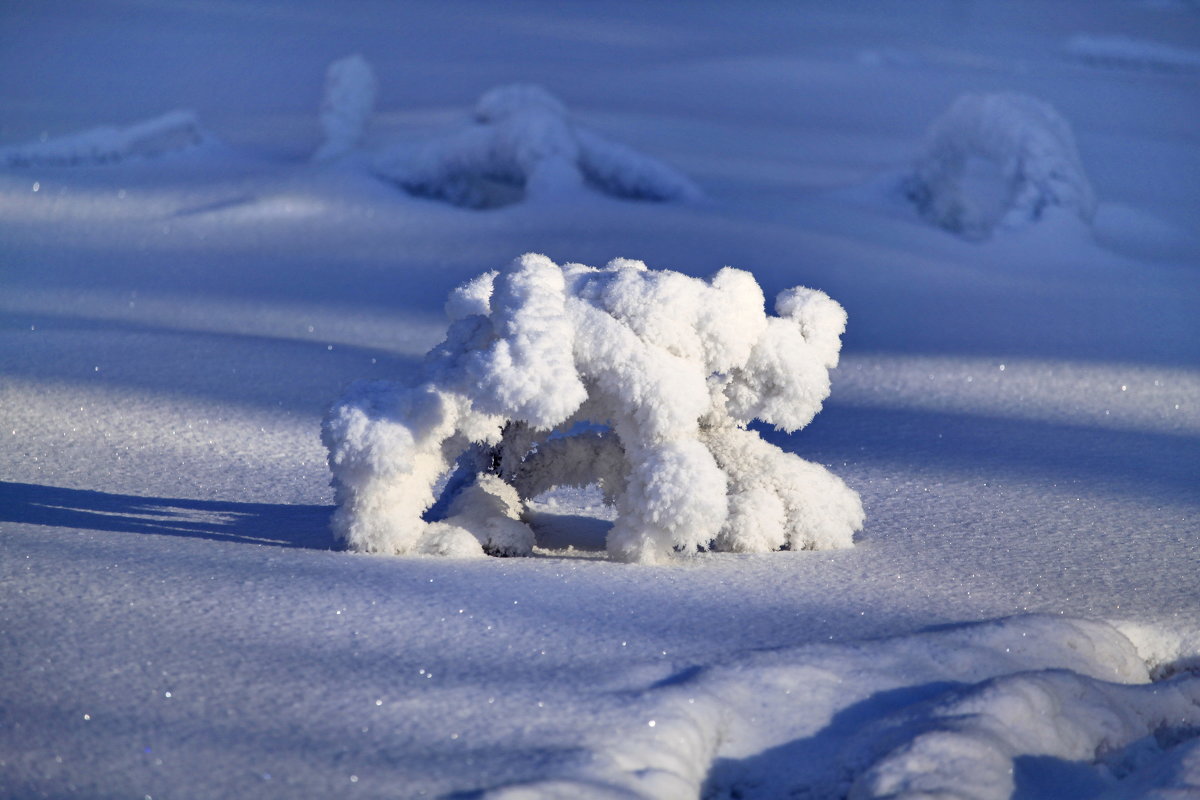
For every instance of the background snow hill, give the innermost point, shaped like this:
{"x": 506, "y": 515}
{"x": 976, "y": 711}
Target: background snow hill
{"x": 1019, "y": 414}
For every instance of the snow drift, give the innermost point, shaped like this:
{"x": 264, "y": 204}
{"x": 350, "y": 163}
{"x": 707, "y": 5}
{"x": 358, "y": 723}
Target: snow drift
{"x": 999, "y": 160}
{"x": 172, "y": 132}
{"x": 523, "y": 145}
{"x": 638, "y": 380}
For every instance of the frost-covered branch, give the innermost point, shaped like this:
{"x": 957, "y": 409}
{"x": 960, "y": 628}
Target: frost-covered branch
{"x": 172, "y": 132}
{"x": 638, "y": 380}
{"x": 522, "y": 144}
{"x": 347, "y": 106}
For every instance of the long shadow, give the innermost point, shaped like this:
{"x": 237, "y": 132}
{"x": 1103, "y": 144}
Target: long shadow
{"x": 280, "y": 525}
{"x": 1141, "y": 462}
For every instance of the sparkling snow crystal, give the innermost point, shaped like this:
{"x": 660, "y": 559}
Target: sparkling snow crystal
{"x": 523, "y": 145}
{"x": 667, "y": 369}
{"x": 999, "y": 160}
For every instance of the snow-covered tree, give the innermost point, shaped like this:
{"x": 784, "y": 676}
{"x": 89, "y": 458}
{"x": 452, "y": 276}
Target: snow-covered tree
{"x": 522, "y": 144}
{"x": 347, "y": 105}
{"x": 668, "y": 369}
{"x": 999, "y": 160}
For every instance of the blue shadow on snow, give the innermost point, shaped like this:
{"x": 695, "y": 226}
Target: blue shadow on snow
{"x": 277, "y": 524}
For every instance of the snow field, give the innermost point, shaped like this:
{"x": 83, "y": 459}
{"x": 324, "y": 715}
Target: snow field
{"x": 1018, "y": 414}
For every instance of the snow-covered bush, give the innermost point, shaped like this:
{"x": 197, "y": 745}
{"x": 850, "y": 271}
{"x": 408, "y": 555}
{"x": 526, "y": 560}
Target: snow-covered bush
{"x": 347, "y": 105}
{"x": 998, "y": 160}
{"x": 667, "y": 369}
{"x": 523, "y": 144}
{"x": 172, "y": 132}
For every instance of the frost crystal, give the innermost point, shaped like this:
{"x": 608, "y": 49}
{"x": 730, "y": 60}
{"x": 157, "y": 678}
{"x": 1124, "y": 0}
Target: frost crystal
{"x": 640, "y": 381}
{"x": 523, "y": 145}
{"x": 999, "y": 160}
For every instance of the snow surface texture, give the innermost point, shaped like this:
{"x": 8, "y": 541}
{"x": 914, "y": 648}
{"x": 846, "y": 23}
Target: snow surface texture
{"x": 676, "y": 368}
{"x": 350, "y": 88}
{"x": 172, "y": 132}
{"x": 999, "y": 160}
{"x": 525, "y": 146}
{"x": 1019, "y": 415}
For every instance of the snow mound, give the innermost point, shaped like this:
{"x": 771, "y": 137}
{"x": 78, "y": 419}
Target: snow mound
{"x": 523, "y": 145}
{"x": 638, "y": 380}
{"x": 1127, "y": 53}
{"x": 998, "y": 160}
{"x": 347, "y": 106}
{"x": 965, "y": 744}
{"x": 966, "y": 711}
{"x": 173, "y": 132}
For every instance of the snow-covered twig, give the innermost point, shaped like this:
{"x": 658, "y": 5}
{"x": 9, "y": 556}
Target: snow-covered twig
{"x": 172, "y": 132}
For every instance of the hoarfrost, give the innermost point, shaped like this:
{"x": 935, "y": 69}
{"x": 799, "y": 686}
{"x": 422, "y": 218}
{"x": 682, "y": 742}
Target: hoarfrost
{"x": 638, "y": 380}
{"x": 999, "y": 160}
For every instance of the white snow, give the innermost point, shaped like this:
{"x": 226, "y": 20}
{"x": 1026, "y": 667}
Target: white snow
{"x": 1018, "y": 617}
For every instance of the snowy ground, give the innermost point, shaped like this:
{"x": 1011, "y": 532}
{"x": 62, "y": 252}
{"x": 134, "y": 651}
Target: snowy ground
{"x": 1021, "y": 415}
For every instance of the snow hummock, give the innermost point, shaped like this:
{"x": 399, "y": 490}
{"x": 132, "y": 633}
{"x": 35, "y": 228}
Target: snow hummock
{"x": 999, "y": 161}
{"x": 980, "y": 708}
{"x": 346, "y": 108}
{"x": 673, "y": 367}
{"x": 523, "y": 145}
{"x": 172, "y": 132}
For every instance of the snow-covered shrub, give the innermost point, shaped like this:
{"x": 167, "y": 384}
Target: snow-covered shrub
{"x": 998, "y": 160}
{"x": 172, "y": 132}
{"x": 523, "y": 144}
{"x": 665, "y": 370}
{"x": 347, "y": 105}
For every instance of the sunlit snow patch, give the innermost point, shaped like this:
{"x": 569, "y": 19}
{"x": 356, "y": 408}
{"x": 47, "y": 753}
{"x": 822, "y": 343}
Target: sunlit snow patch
{"x": 999, "y": 161}
{"x": 524, "y": 146}
{"x": 171, "y": 133}
{"x": 638, "y": 380}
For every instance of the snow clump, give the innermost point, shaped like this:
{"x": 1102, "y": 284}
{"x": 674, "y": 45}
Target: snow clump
{"x": 349, "y": 101}
{"x": 170, "y": 133}
{"x": 640, "y": 381}
{"x": 523, "y": 145}
{"x": 998, "y": 160}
